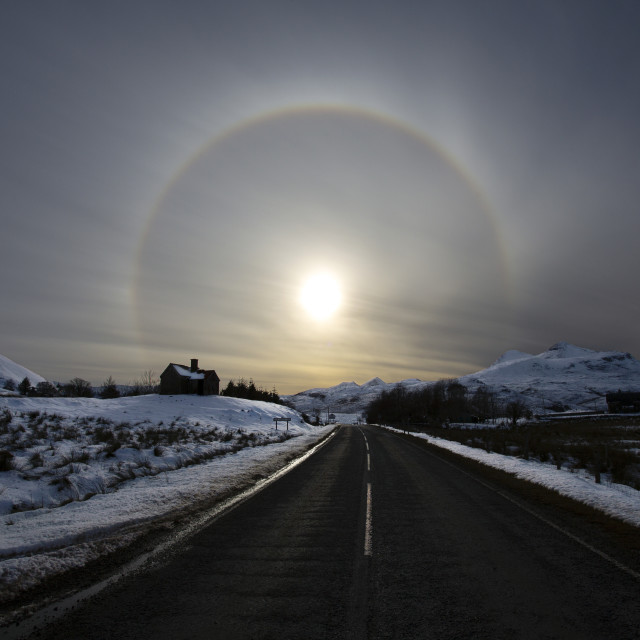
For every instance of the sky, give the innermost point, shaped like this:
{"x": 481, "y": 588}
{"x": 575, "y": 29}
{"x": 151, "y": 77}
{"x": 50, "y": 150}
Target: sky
{"x": 173, "y": 173}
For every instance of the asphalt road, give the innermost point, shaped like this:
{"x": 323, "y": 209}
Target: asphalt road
{"x": 377, "y": 537}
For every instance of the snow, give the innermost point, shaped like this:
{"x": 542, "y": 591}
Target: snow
{"x": 566, "y": 350}
{"x": 42, "y": 535}
{"x": 618, "y": 501}
{"x": 374, "y": 382}
{"x": 10, "y": 370}
{"x": 70, "y": 497}
{"x": 511, "y": 356}
{"x": 186, "y": 372}
{"x": 564, "y": 377}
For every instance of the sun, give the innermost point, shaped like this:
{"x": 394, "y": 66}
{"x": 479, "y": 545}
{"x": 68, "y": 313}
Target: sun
{"x": 321, "y": 296}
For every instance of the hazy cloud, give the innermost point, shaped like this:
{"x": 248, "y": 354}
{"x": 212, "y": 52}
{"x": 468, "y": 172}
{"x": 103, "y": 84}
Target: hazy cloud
{"x": 473, "y": 185}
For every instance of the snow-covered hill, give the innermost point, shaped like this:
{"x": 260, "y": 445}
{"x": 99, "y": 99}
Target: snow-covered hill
{"x": 565, "y": 377}
{"x": 10, "y": 370}
{"x": 80, "y": 477}
{"x": 346, "y": 397}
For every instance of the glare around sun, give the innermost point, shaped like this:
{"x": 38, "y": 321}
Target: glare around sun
{"x": 321, "y": 296}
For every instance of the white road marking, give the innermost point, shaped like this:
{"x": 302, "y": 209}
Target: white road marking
{"x": 368, "y": 527}
{"x": 368, "y": 531}
{"x": 580, "y": 541}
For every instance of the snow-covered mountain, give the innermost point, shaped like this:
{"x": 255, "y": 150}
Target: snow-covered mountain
{"x": 565, "y": 377}
{"x": 10, "y": 370}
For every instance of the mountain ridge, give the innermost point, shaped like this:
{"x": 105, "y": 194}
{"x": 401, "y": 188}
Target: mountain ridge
{"x": 562, "y": 378}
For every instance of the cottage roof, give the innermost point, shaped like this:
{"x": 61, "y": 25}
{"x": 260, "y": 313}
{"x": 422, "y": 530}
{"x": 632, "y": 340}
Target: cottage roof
{"x": 186, "y": 372}
{"x": 200, "y": 374}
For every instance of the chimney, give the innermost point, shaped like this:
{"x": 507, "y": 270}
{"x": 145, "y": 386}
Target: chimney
{"x": 194, "y": 365}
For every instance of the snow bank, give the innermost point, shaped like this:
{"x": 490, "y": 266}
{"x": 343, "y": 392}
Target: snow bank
{"x": 618, "y": 501}
{"x": 41, "y": 542}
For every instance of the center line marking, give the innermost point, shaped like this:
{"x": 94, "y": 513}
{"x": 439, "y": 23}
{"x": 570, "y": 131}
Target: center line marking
{"x": 367, "y": 527}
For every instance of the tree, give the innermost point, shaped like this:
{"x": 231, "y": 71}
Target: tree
{"x": 25, "y": 386}
{"x": 77, "y": 388}
{"x": 249, "y": 391}
{"x": 109, "y": 389}
{"x": 484, "y": 403}
{"x": 515, "y": 410}
{"x": 456, "y": 400}
{"x": 46, "y": 390}
{"x": 148, "y": 383}
{"x": 229, "y": 390}
{"x": 10, "y": 385}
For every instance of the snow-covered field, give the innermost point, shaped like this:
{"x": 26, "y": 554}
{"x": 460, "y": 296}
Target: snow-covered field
{"x": 616, "y": 500}
{"x": 83, "y": 476}
{"x": 89, "y": 475}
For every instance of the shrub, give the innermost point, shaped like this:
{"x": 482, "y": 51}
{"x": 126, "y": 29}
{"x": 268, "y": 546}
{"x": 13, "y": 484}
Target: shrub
{"x": 80, "y": 456}
{"x": 111, "y": 447}
{"x": 103, "y": 434}
{"x": 46, "y": 389}
{"x": 6, "y": 461}
{"x": 77, "y": 388}
{"x": 5, "y": 417}
{"x": 36, "y": 460}
{"x": 109, "y": 389}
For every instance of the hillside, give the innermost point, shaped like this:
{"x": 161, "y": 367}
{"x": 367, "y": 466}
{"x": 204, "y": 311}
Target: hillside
{"x": 565, "y": 377}
{"x": 80, "y": 477}
{"x": 10, "y": 370}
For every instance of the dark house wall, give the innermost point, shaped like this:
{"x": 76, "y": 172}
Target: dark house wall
{"x": 211, "y": 384}
{"x": 171, "y": 382}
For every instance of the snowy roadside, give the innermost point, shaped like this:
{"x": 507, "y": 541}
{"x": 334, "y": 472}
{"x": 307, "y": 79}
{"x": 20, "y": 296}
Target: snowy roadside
{"x": 39, "y": 543}
{"x": 616, "y": 500}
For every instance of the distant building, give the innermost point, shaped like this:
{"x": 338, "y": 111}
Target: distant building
{"x": 623, "y": 402}
{"x": 179, "y": 379}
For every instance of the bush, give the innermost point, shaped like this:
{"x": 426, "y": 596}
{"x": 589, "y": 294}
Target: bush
{"x": 36, "y": 460}
{"x": 76, "y": 388}
{"x": 46, "y": 390}
{"x": 6, "y": 461}
{"x": 5, "y": 417}
{"x": 111, "y": 447}
{"x": 109, "y": 389}
{"x": 103, "y": 434}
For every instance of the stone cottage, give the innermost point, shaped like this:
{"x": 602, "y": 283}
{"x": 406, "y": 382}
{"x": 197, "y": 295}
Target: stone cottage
{"x": 179, "y": 379}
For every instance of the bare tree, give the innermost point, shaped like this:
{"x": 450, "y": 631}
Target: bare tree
{"x": 77, "y": 388}
{"x": 46, "y": 389}
{"x": 148, "y": 383}
{"x": 515, "y": 410}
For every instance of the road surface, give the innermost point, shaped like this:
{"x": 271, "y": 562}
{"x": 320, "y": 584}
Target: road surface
{"x": 377, "y": 536}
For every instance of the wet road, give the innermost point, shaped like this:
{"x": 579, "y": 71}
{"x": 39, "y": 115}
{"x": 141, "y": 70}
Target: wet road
{"x": 376, "y": 536}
